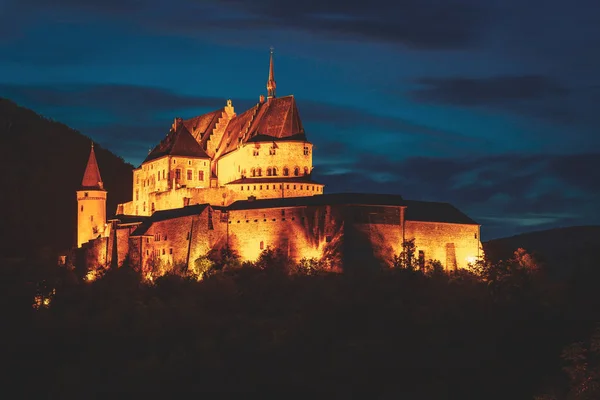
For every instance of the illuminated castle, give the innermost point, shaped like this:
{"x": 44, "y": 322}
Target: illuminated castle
{"x": 245, "y": 182}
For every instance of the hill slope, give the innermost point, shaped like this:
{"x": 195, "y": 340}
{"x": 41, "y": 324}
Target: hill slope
{"x": 42, "y": 166}
{"x": 561, "y": 249}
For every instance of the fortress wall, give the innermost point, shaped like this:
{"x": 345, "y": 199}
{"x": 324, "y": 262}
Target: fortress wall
{"x": 123, "y": 233}
{"x": 453, "y": 244}
{"x": 299, "y": 231}
{"x": 95, "y": 253}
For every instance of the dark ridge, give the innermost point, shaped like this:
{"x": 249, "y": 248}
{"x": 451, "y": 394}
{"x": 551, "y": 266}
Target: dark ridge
{"x": 43, "y": 163}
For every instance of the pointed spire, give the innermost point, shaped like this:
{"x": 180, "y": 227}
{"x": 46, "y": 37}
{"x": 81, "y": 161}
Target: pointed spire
{"x": 271, "y": 82}
{"x": 91, "y": 177}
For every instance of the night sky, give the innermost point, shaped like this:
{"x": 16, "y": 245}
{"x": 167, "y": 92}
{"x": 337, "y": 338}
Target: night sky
{"x": 493, "y": 106}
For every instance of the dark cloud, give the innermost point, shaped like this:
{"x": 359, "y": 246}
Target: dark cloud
{"x": 488, "y": 91}
{"x": 529, "y": 95}
{"x": 427, "y": 24}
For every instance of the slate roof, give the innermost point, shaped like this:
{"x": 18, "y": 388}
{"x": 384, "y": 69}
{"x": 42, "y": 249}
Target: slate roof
{"x": 129, "y": 219}
{"x": 425, "y": 211}
{"x": 276, "y": 179}
{"x": 428, "y": 211}
{"x": 277, "y": 118}
{"x": 164, "y": 215}
{"x": 91, "y": 177}
{"x": 202, "y": 126}
{"x": 179, "y": 142}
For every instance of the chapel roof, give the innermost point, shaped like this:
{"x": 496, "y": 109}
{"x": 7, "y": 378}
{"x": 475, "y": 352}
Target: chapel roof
{"x": 91, "y": 176}
{"x": 179, "y": 142}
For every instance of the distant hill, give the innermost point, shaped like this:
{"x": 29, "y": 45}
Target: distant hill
{"x": 561, "y": 249}
{"x": 42, "y": 166}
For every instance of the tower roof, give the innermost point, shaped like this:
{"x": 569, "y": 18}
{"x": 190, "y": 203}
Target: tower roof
{"x": 179, "y": 142}
{"x": 271, "y": 82}
{"x": 91, "y": 176}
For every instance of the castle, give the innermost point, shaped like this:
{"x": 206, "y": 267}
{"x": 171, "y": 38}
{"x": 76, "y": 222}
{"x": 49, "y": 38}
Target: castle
{"x": 244, "y": 182}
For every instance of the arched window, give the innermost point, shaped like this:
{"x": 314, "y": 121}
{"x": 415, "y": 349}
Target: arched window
{"x": 286, "y": 171}
{"x": 305, "y": 170}
{"x": 253, "y": 172}
{"x": 259, "y": 172}
{"x": 269, "y": 171}
{"x": 274, "y": 171}
{"x": 296, "y": 171}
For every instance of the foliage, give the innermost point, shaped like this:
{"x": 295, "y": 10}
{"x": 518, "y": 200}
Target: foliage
{"x": 273, "y": 260}
{"x": 203, "y": 266}
{"x": 406, "y": 259}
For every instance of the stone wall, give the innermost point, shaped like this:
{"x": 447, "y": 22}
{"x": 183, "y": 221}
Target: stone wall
{"x": 454, "y": 245}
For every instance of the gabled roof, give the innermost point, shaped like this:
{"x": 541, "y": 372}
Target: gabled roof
{"x": 277, "y": 118}
{"x": 429, "y": 211}
{"x": 163, "y": 215}
{"x": 91, "y": 176}
{"x": 179, "y": 142}
{"x": 202, "y": 126}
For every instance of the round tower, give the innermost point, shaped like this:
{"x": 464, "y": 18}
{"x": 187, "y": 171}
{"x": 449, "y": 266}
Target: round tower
{"x": 91, "y": 203}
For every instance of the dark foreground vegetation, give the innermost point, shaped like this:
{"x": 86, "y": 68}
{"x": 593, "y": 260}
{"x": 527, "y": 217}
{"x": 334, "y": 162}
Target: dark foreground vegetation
{"x": 503, "y": 332}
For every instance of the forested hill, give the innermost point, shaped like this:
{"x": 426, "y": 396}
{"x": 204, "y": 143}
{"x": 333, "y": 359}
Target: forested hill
{"x": 42, "y": 166}
{"x": 561, "y": 249}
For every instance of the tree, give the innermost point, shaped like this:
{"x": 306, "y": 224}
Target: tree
{"x": 406, "y": 259}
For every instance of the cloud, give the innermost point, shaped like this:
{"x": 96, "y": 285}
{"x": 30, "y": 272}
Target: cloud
{"x": 488, "y": 91}
{"x": 425, "y": 24}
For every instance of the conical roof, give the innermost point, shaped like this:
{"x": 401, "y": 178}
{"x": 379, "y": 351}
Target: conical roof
{"x": 91, "y": 176}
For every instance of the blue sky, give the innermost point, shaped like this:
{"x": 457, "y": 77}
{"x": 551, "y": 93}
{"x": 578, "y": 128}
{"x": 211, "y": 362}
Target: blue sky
{"x": 490, "y": 105}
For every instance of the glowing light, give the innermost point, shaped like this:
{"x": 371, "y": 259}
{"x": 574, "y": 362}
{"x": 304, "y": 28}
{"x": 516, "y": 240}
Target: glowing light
{"x": 471, "y": 260}
{"x": 91, "y": 275}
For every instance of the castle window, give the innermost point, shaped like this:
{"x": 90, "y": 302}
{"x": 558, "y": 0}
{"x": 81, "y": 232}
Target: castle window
{"x": 294, "y": 187}
{"x": 147, "y": 241}
{"x": 165, "y": 237}
{"x": 189, "y": 174}
{"x": 200, "y": 175}
{"x": 475, "y": 235}
{"x": 242, "y": 187}
{"x": 269, "y": 171}
{"x": 86, "y": 194}
{"x": 163, "y": 252}
{"x": 254, "y": 187}
{"x": 296, "y": 171}
{"x": 171, "y": 251}
{"x": 163, "y": 174}
{"x": 274, "y": 171}
{"x": 81, "y": 208}
{"x": 305, "y": 150}
{"x": 177, "y": 174}
{"x": 260, "y": 187}
{"x": 158, "y": 175}
{"x": 174, "y": 161}
{"x": 205, "y": 163}
{"x": 152, "y": 206}
{"x": 144, "y": 209}
{"x": 259, "y": 172}
{"x": 267, "y": 187}
{"x": 189, "y": 162}
{"x": 301, "y": 187}
{"x": 253, "y": 172}
{"x": 248, "y": 188}
{"x": 287, "y": 186}
{"x": 286, "y": 171}
{"x": 262, "y": 245}
{"x": 305, "y": 170}
{"x": 147, "y": 252}
{"x": 255, "y": 152}
{"x": 137, "y": 194}
{"x": 272, "y": 151}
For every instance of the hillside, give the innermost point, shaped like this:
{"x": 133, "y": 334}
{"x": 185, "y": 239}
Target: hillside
{"x": 42, "y": 166}
{"x": 561, "y": 249}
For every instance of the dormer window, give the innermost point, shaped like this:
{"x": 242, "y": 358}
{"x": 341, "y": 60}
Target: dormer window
{"x": 272, "y": 151}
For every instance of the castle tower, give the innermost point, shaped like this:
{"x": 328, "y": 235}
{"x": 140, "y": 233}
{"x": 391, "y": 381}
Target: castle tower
{"x": 271, "y": 82}
{"x": 91, "y": 203}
